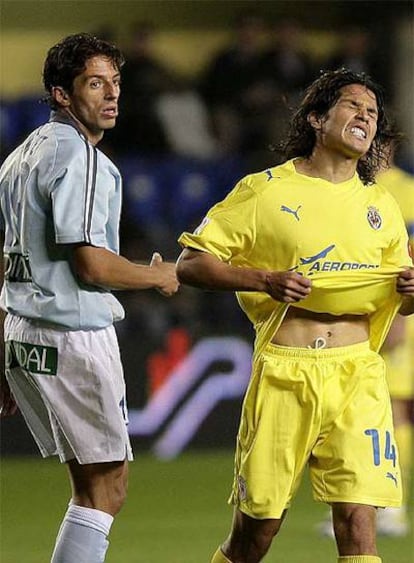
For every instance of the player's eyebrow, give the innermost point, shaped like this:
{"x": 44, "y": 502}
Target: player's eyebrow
{"x": 103, "y": 76}
{"x": 354, "y": 100}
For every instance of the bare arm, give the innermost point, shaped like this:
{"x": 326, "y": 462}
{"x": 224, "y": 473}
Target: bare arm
{"x": 204, "y": 270}
{"x": 103, "y": 268}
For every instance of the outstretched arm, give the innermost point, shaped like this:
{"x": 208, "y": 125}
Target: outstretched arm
{"x": 103, "y": 268}
{"x": 203, "y": 270}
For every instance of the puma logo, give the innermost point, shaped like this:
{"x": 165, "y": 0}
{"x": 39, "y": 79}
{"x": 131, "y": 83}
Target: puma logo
{"x": 294, "y": 212}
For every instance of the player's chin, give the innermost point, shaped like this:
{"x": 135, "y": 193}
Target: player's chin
{"x": 356, "y": 148}
{"x": 109, "y": 126}
{"x": 107, "y": 123}
{"x": 357, "y": 151}
{"x": 363, "y": 147}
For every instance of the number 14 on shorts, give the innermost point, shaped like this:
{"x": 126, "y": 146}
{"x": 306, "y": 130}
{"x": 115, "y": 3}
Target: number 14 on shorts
{"x": 389, "y": 448}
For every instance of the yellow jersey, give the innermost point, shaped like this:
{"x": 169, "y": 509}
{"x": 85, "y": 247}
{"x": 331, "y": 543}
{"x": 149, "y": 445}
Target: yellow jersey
{"x": 350, "y": 239}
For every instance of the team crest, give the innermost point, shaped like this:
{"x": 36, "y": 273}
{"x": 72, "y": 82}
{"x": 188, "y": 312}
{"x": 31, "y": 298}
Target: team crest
{"x": 374, "y": 218}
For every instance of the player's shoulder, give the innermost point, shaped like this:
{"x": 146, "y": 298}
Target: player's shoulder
{"x": 381, "y": 197}
{"x": 36, "y": 150}
{"x": 380, "y": 190}
{"x": 269, "y": 178}
{"x": 67, "y": 137}
{"x": 72, "y": 149}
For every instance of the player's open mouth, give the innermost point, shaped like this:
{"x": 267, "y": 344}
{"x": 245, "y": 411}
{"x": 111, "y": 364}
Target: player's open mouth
{"x": 358, "y": 132}
{"x": 110, "y": 112}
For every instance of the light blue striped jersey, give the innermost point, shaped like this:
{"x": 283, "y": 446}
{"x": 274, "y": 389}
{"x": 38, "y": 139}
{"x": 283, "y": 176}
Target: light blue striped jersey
{"x": 57, "y": 189}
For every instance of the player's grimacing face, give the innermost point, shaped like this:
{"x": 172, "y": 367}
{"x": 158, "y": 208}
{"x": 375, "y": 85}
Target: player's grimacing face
{"x": 351, "y": 123}
{"x": 94, "y": 96}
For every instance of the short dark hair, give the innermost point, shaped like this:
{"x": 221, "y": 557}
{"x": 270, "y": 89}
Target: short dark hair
{"x": 319, "y": 97}
{"x": 67, "y": 59}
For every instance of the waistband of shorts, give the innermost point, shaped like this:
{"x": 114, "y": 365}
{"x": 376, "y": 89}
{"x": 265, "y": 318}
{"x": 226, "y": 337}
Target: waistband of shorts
{"x": 361, "y": 348}
{"x": 14, "y": 321}
{"x": 17, "y": 322}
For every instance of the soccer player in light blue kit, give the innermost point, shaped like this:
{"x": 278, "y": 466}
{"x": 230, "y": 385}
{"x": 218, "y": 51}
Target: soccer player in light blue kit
{"x": 60, "y": 201}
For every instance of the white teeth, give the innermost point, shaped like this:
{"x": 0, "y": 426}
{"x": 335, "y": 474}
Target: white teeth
{"x": 360, "y": 133}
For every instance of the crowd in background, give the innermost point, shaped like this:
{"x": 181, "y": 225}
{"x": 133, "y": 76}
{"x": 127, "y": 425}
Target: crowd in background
{"x": 239, "y": 102}
{"x": 182, "y": 142}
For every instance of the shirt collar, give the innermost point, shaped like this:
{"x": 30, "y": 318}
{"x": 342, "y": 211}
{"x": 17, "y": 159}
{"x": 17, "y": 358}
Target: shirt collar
{"x": 59, "y": 116}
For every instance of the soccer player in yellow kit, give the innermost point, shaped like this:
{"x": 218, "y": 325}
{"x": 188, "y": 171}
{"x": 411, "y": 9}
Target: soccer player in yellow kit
{"x": 398, "y": 353}
{"x": 319, "y": 259}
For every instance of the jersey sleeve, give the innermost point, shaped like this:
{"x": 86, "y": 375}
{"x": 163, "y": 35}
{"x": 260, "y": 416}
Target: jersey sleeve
{"x": 228, "y": 229}
{"x": 398, "y": 252}
{"x": 79, "y": 204}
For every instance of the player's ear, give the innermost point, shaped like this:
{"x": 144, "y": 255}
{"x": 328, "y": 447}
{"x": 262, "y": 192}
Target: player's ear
{"x": 315, "y": 121}
{"x": 60, "y": 96}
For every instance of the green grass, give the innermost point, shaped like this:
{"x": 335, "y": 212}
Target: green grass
{"x": 176, "y": 513}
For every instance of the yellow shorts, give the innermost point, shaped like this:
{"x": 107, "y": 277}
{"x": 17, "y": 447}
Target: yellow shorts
{"x": 329, "y": 408}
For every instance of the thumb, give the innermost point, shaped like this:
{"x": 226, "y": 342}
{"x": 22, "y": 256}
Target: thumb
{"x": 156, "y": 258}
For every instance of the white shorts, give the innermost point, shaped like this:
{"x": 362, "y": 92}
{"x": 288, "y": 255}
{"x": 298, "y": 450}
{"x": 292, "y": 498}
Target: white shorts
{"x": 70, "y": 389}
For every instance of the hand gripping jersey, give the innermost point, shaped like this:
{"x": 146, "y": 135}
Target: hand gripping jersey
{"x": 349, "y": 239}
{"x": 57, "y": 189}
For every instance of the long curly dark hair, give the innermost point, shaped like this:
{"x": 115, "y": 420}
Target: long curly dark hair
{"x": 319, "y": 97}
{"x": 67, "y": 59}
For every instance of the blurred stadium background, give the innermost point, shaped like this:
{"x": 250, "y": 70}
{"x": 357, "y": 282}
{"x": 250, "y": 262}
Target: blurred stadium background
{"x": 182, "y": 145}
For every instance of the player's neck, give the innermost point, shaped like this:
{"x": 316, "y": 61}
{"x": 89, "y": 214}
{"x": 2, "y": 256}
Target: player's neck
{"x": 328, "y": 167}
{"x": 93, "y": 137}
